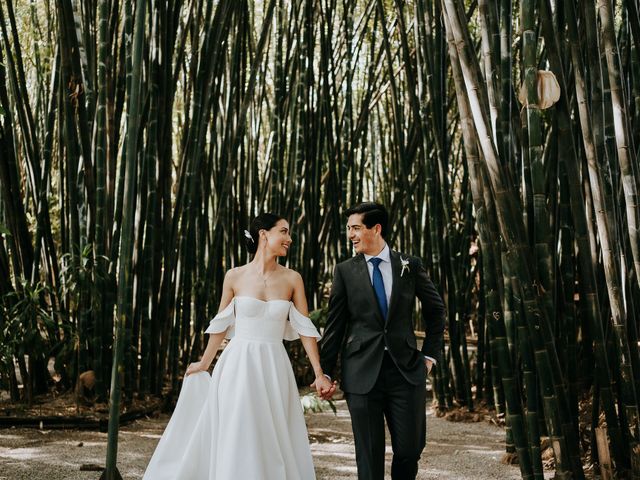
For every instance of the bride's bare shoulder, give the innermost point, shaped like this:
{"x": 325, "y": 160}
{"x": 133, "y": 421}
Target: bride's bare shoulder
{"x": 291, "y": 275}
{"x": 234, "y": 273}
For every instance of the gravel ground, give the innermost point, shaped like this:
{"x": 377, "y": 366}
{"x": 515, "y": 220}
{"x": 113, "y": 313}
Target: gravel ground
{"x": 460, "y": 451}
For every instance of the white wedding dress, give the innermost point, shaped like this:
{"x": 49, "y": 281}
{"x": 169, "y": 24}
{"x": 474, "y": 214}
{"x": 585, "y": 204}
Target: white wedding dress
{"x": 245, "y": 421}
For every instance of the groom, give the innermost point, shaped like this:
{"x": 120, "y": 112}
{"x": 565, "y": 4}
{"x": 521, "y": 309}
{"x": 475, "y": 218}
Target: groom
{"x": 370, "y": 323}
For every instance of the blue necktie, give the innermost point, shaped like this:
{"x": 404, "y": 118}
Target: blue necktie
{"x": 378, "y": 286}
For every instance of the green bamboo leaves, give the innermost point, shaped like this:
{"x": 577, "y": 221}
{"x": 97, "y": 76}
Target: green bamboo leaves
{"x": 137, "y": 140}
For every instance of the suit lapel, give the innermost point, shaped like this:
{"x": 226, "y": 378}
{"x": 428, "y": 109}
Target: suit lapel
{"x": 395, "y": 286}
{"x": 362, "y": 272}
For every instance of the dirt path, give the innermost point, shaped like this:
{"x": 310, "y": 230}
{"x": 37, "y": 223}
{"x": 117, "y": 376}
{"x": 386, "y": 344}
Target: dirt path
{"x": 460, "y": 451}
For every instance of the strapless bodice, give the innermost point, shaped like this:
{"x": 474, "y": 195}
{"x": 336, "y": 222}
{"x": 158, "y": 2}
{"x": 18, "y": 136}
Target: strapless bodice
{"x": 262, "y": 320}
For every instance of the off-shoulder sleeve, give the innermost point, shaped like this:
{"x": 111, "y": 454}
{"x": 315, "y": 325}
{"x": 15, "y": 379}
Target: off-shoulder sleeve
{"x": 298, "y": 325}
{"x": 224, "y": 320}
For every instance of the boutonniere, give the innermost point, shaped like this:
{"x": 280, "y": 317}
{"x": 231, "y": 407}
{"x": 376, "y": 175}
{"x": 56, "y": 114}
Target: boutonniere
{"x": 405, "y": 265}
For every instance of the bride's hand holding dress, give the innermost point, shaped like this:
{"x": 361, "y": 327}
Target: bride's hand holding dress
{"x": 195, "y": 367}
{"x": 215, "y": 340}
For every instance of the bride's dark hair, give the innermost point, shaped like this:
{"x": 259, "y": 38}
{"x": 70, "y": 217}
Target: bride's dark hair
{"x": 264, "y": 221}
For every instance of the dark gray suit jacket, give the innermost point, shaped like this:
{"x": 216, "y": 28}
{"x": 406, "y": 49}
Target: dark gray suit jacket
{"x": 356, "y": 330}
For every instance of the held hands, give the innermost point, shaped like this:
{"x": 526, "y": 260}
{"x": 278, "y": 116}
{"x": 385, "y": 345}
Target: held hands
{"x": 324, "y": 387}
{"x": 195, "y": 367}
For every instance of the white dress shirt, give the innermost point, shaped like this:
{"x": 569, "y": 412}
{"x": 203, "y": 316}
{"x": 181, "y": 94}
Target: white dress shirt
{"x": 385, "y": 270}
{"x": 387, "y": 276}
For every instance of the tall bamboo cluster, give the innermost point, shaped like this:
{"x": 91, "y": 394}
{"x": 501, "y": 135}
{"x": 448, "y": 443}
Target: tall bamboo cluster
{"x": 555, "y": 190}
{"x": 137, "y": 140}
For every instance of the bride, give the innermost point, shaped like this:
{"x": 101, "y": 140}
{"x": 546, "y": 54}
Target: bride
{"x": 245, "y": 421}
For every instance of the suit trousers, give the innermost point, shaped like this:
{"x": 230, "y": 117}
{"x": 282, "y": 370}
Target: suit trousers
{"x": 403, "y": 406}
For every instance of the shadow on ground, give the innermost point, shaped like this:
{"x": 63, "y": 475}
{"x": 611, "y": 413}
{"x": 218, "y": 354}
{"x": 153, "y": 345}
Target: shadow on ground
{"x": 460, "y": 451}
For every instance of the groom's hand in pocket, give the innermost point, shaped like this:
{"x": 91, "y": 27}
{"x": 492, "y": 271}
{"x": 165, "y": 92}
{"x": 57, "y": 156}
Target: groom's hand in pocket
{"x": 429, "y": 364}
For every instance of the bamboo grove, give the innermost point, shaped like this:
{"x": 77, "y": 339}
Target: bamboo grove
{"x": 138, "y": 138}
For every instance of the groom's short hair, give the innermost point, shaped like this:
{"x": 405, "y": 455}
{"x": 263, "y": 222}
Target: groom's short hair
{"x": 372, "y": 214}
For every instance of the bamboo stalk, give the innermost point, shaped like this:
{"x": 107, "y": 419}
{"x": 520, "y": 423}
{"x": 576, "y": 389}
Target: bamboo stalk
{"x": 125, "y": 284}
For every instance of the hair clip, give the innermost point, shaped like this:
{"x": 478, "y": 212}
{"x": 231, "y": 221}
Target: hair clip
{"x": 248, "y": 235}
